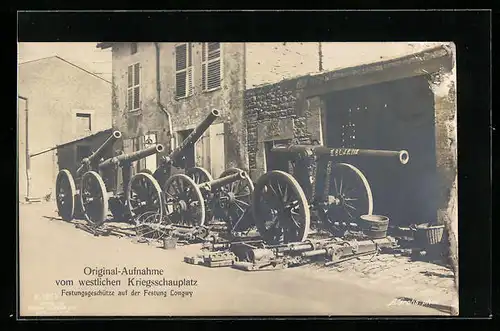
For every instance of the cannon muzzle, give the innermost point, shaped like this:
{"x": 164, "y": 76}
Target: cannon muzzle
{"x": 124, "y": 159}
{"x": 321, "y": 151}
{"x": 86, "y": 162}
{"x": 192, "y": 138}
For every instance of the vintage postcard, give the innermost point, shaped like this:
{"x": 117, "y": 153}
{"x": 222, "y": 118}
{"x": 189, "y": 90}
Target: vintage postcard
{"x": 237, "y": 179}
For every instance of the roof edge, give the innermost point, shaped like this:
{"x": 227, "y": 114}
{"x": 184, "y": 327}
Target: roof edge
{"x": 108, "y": 130}
{"x": 68, "y": 62}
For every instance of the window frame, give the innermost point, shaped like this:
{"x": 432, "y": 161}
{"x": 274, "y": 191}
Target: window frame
{"x": 78, "y": 114}
{"x": 189, "y": 69}
{"x": 205, "y": 62}
{"x": 131, "y": 110}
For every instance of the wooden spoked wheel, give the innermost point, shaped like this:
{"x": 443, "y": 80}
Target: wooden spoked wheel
{"x": 232, "y": 202}
{"x": 280, "y": 208}
{"x": 349, "y": 195}
{"x": 65, "y": 195}
{"x": 94, "y": 198}
{"x": 150, "y": 226}
{"x": 146, "y": 171}
{"x": 144, "y": 195}
{"x": 199, "y": 175}
{"x": 184, "y": 203}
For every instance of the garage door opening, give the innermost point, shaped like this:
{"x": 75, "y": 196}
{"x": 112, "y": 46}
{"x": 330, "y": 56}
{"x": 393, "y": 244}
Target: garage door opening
{"x": 397, "y": 115}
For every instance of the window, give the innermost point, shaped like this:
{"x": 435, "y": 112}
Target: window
{"x": 133, "y": 48}
{"x": 211, "y": 66}
{"x": 83, "y": 123}
{"x": 183, "y": 71}
{"x": 133, "y": 90}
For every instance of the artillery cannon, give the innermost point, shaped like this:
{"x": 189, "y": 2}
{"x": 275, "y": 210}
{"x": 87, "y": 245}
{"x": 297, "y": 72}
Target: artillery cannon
{"x": 96, "y": 196}
{"x": 190, "y": 205}
{"x": 337, "y": 191}
{"x": 68, "y": 189}
{"x": 175, "y": 159}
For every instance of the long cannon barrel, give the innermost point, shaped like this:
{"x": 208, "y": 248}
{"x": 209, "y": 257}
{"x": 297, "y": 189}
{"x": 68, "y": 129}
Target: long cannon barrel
{"x": 219, "y": 182}
{"x": 98, "y": 153}
{"x": 123, "y": 159}
{"x": 193, "y": 137}
{"x": 309, "y": 150}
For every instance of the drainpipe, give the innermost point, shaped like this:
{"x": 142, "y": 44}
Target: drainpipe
{"x": 158, "y": 99}
{"x": 27, "y": 149}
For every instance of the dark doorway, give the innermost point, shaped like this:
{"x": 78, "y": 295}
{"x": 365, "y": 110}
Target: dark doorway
{"x": 273, "y": 161}
{"x": 395, "y": 115}
{"x": 188, "y": 153}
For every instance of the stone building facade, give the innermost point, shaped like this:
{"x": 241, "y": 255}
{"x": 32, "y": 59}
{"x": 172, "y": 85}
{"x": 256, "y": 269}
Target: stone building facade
{"x": 367, "y": 95}
{"x": 161, "y": 91}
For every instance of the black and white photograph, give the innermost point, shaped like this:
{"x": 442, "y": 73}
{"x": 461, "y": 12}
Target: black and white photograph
{"x": 237, "y": 178}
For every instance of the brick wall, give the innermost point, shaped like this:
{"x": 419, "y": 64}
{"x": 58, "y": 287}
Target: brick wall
{"x": 278, "y": 102}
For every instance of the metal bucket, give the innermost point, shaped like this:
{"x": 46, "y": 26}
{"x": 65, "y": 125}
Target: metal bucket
{"x": 374, "y": 226}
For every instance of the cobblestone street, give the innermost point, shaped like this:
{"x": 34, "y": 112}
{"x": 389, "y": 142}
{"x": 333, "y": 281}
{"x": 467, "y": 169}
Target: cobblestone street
{"x": 384, "y": 285}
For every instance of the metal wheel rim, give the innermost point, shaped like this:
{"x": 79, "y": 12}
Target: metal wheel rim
{"x": 259, "y": 206}
{"x": 96, "y": 215}
{"x": 155, "y": 192}
{"x": 239, "y": 204}
{"x": 199, "y": 175}
{"x": 189, "y": 190}
{"x": 65, "y": 201}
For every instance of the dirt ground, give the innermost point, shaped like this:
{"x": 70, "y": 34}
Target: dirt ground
{"x": 51, "y": 250}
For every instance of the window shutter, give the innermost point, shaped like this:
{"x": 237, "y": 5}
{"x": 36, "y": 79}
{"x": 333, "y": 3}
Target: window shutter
{"x": 190, "y": 80}
{"x": 129, "y": 76}
{"x": 180, "y": 85}
{"x": 213, "y": 50}
{"x": 211, "y": 66}
{"x": 137, "y": 74}
{"x": 203, "y": 66}
{"x": 213, "y": 72}
{"x": 180, "y": 57}
{"x": 184, "y": 70}
{"x": 137, "y": 104}
{"x": 130, "y": 98}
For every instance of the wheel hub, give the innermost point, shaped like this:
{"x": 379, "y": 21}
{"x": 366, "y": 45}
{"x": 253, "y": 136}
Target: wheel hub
{"x": 226, "y": 199}
{"x": 180, "y": 206}
{"x": 333, "y": 200}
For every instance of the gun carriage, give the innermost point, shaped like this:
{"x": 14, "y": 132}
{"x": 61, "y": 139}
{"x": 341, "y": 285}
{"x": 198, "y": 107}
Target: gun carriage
{"x": 174, "y": 161}
{"x": 222, "y": 204}
{"x": 98, "y": 197}
{"x": 284, "y": 203}
{"x": 68, "y": 185}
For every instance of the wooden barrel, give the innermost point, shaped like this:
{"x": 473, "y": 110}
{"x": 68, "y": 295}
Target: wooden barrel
{"x": 374, "y": 226}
